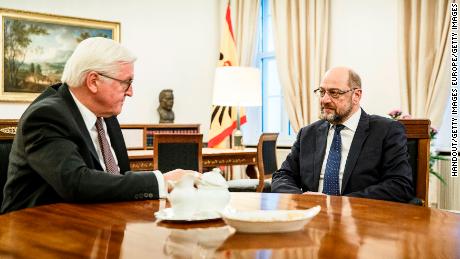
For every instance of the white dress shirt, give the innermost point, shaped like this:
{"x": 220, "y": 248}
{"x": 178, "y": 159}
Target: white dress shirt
{"x": 89, "y": 119}
{"x": 347, "y": 134}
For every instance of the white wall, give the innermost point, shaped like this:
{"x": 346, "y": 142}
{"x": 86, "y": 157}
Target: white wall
{"x": 363, "y": 36}
{"x": 176, "y": 42}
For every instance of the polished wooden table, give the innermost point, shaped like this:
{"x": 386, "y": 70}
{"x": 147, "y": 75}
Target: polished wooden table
{"x": 345, "y": 228}
{"x": 142, "y": 160}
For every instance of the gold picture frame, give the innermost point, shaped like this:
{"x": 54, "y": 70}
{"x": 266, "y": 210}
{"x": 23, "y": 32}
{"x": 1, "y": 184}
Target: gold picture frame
{"x": 35, "y": 47}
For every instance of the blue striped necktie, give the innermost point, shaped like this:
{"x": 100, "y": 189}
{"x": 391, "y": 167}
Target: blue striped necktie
{"x": 331, "y": 175}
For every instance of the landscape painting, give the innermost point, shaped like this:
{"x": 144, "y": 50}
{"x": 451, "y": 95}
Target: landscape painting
{"x": 36, "y": 47}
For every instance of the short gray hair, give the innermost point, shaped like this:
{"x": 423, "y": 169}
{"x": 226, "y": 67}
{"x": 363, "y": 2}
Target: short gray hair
{"x": 95, "y": 54}
{"x": 354, "y": 81}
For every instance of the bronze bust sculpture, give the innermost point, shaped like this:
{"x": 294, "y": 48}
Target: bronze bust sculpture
{"x": 165, "y": 111}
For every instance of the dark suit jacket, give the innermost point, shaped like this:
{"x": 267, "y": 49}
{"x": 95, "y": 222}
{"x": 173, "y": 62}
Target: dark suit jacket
{"x": 377, "y": 166}
{"x": 54, "y": 160}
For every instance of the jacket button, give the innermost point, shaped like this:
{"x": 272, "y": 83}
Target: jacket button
{"x": 136, "y": 196}
{"x": 146, "y": 195}
{"x": 150, "y": 195}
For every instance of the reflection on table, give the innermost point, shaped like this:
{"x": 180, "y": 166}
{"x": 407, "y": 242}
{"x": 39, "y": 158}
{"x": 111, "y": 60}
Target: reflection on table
{"x": 345, "y": 228}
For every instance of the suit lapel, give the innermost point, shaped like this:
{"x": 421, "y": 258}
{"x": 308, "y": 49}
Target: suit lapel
{"x": 65, "y": 93}
{"x": 356, "y": 147}
{"x": 321, "y": 140}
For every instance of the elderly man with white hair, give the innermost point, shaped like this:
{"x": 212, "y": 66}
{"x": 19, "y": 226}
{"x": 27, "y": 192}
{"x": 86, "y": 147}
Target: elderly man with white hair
{"x": 69, "y": 146}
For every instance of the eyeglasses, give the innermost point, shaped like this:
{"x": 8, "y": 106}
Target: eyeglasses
{"x": 334, "y": 93}
{"x": 125, "y": 83}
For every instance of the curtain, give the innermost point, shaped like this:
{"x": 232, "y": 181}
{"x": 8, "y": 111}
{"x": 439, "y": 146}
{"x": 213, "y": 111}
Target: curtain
{"x": 301, "y": 41}
{"x": 246, "y": 22}
{"x": 423, "y": 54}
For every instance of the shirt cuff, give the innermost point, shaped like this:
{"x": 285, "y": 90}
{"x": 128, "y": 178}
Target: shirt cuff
{"x": 161, "y": 184}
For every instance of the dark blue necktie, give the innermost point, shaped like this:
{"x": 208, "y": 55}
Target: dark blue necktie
{"x": 331, "y": 175}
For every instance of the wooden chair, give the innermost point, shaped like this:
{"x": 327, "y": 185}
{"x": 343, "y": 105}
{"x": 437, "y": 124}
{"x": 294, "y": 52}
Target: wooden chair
{"x": 266, "y": 166}
{"x": 7, "y": 133}
{"x": 172, "y": 151}
{"x": 418, "y": 147}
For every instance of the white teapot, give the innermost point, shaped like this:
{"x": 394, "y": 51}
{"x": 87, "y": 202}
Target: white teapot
{"x": 183, "y": 197}
{"x": 212, "y": 191}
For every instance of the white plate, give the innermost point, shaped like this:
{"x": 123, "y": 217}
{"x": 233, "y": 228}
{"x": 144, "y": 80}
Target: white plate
{"x": 168, "y": 214}
{"x": 269, "y": 221}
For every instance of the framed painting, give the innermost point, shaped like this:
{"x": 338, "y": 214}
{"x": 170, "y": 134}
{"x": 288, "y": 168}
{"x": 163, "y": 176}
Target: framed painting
{"x": 36, "y": 46}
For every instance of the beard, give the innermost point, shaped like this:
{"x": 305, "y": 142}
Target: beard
{"x": 336, "y": 117}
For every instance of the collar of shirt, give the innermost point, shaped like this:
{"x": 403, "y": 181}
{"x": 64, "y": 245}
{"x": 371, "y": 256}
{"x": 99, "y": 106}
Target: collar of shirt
{"x": 89, "y": 119}
{"x": 88, "y": 116}
{"x": 352, "y": 122}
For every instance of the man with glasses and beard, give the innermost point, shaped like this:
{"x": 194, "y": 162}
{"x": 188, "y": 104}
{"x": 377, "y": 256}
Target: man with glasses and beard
{"x": 356, "y": 154}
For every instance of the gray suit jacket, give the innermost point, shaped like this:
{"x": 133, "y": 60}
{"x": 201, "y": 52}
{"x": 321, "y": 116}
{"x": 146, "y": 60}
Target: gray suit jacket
{"x": 377, "y": 166}
{"x": 54, "y": 160}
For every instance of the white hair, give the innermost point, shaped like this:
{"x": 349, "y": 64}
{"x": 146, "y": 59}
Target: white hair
{"x": 95, "y": 54}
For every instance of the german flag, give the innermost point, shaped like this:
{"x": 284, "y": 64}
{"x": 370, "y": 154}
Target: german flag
{"x": 223, "y": 118}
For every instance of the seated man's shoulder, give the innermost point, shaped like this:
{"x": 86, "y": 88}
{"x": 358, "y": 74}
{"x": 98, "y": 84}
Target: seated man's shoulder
{"x": 377, "y": 119}
{"x": 47, "y": 93}
{"x": 313, "y": 126}
{"x": 49, "y": 110}
{"x": 382, "y": 123}
{"x": 316, "y": 124}
{"x": 50, "y": 104}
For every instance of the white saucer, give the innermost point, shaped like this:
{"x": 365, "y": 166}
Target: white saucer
{"x": 168, "y": 214}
